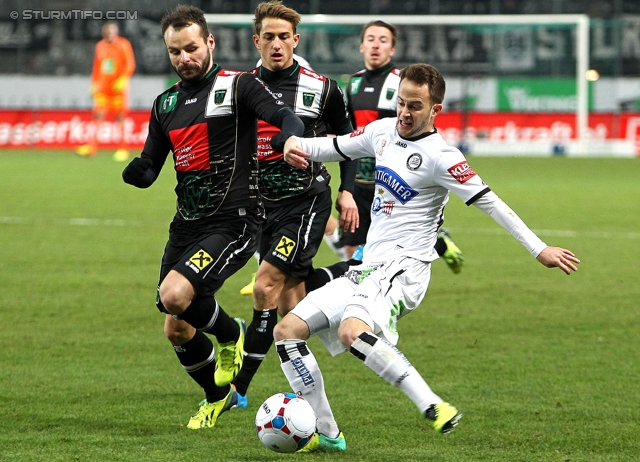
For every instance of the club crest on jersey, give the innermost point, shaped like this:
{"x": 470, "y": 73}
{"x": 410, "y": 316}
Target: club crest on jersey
{"x": 168, "y": 102}
{"x": 395, "y": 184}
{"x": 218, "y": 96}
{"x": 307, "y": 98}
{"x": 390, "y": 93}
{"x": 414, "y": 161}
{"x": 284, "y": 248}
{"x": 380, "y": 205}
{"x": 462, "y": 172}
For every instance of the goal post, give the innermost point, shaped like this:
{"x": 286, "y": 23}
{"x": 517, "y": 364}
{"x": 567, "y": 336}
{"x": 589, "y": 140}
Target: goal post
{"x": 577, "y": 22}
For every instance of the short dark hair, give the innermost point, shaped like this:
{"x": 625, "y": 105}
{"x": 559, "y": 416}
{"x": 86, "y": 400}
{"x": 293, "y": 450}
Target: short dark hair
{"x": 274, "y": 9}
{"x": 183, "y": 16}
{"x": 426, "y": 74}
{"x": 392, "y": 29}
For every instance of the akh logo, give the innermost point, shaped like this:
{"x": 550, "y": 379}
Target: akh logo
{"x": 168, "y": 102}
{"x": 380, "y": 148}
{"x": 395, "y": 184}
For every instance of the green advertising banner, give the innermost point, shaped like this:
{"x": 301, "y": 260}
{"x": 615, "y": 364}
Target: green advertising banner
{"x": 539, "y": 95}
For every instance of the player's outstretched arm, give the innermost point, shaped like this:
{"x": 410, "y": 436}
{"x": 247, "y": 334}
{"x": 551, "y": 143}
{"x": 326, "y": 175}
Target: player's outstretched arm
{"x": 556, "y": 257}
{"x": 293, "y": 153}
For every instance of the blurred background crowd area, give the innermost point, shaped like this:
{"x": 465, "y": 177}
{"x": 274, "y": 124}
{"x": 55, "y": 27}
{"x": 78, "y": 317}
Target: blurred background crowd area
{"x": 47, "y": 46}
{"x": 502, "y": 69}
{"x": 37, "y": 43}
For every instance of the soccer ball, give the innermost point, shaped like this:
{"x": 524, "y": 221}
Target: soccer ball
{"x": 285, "y": 422}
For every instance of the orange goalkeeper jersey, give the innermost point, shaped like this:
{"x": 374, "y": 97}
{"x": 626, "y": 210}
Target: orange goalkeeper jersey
{"x": 112, "y": 61}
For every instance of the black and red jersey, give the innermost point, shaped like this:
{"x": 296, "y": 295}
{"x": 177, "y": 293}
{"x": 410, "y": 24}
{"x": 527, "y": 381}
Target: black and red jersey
{"x": 210, "y": 127}
{"x": 320, "y": 103}
{"x": 372, "y": 95}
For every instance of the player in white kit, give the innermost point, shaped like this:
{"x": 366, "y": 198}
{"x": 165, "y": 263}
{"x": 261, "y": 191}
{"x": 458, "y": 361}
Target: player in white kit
{"x": 415, "y": 170}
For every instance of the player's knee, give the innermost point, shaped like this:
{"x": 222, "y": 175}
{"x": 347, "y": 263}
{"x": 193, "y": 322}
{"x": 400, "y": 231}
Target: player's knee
{"x": 280, "y": 331}
{"x": 348, "y": 335}
{"x": 169, "y": 298}
{"x": 174, "y": 299}
{"x": 175, "y": 294}
{"x": 291, "y": 327}
{"x": 266, "y": 293}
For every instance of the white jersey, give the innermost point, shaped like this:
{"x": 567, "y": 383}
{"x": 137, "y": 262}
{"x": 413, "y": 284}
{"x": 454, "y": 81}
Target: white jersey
{"x": 412, "y": 182}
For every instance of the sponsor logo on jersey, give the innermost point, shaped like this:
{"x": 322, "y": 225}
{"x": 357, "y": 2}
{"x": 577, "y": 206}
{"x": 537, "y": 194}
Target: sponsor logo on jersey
{"x": 190, "y": 101}
{"x": 380, "y": 205}
{"x": 462, "y": 172}
{"x": 168, "y": 102}
{"x": 307, "y": 98}
{"x": 355, "y": 85}
{"x": 218, "y": 96}
{"x": 227, "y": 72}
{"x": 357, "y": 276}
{"x": 395, "y": 184}
{"x": 194, "y": 196}
{"x": 401, "y": 144}
{"x": 414, "y": 161}
{"x": 357, "y": 132}
{"x": 199, "y": 261}
{"x": 310, "y": 73}
{"x": 107, "y": 66}
{"x": 190, "y": 147}
{"x": 390, "y": 93}
{"x": 381, "y": 147}
{"x": 266, "y": 131}
{"x": 368, "y": 90}
{"x": 273, "y": 95}
{"x": 285, "y": 247}
{"x": 387, "y": 207}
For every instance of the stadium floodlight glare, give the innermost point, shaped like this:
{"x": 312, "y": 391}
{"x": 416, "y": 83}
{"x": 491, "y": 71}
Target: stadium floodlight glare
{"x": 579, "y": 21}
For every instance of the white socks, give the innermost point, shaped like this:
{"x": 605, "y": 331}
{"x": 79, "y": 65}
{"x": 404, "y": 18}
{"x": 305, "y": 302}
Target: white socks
{"x": 302, "y": 371}
{"x": 390, "y": 364}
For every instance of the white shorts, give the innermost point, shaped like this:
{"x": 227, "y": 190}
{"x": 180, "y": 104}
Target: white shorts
{"x": 377, "y": 294}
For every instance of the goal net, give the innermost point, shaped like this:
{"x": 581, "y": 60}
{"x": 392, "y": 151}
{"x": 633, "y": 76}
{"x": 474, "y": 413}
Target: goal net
{"x": 516, "y": 84}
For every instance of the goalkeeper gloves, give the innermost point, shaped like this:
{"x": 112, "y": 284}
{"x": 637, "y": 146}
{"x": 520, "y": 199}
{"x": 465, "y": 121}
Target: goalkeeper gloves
{"x": 138, "y": 173}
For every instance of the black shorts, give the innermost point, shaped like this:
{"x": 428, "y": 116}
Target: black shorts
{"x": 208, "y": 257}
{"x": 363, "y": 195}
{"x": 293, "y": 233}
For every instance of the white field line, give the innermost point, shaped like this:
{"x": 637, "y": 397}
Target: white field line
{"x": 483, "y": 231}
{"x": 68, "y": 221}
{"x": 553, "y": 233}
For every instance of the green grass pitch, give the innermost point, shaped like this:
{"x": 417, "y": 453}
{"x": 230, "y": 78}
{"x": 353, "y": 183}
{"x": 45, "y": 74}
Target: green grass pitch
{"x": 544, "y": 366}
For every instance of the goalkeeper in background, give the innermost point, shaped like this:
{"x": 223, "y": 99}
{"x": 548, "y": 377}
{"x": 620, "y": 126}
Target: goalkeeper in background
{"x": 113, "y": 65}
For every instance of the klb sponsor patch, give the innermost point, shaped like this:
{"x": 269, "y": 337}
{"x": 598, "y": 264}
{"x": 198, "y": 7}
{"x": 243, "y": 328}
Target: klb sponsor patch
{"x": 462, "y": 172}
